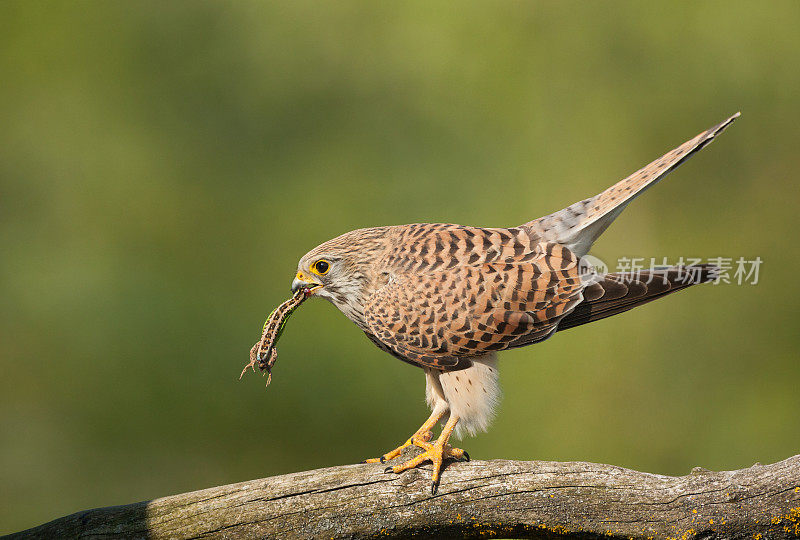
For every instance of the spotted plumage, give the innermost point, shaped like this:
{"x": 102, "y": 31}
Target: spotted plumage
{"x": 498, "y": 293}
{"x": 448, "y": 297}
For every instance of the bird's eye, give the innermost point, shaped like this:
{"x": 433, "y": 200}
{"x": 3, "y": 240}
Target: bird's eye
{"x": 321, "y": 267}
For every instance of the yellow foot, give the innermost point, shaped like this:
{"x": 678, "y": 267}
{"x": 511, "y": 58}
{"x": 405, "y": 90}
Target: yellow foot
{"x": 436, "y": 453}
{"x": 419, "y": 439}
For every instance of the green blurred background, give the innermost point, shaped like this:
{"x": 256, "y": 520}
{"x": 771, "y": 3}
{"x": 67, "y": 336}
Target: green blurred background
{"x": 164, "y": 165}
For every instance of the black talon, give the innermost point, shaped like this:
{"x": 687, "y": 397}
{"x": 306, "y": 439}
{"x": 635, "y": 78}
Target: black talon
{"x": 434, "y": 487}
{"x": 465, "y": 457}
{"x": 388, "y": 469}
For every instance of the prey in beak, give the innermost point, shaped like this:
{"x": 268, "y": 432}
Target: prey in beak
{"x": 304, "y": 281}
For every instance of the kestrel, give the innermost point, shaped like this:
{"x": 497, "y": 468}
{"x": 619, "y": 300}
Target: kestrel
{"x": 446, "y": 298}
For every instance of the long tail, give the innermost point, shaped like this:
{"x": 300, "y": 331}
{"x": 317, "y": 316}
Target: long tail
{"x": 615, "y": 293}
{"x": 580, "y": 224}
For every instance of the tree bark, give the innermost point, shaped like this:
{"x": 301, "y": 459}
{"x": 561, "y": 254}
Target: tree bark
{"x": 479, "y": 499}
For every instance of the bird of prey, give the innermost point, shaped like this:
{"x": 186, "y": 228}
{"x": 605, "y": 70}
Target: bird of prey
{"x": 446, "y": 298}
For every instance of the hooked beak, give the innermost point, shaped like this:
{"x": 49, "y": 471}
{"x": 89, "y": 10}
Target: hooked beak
{"x": 303, "y": 281}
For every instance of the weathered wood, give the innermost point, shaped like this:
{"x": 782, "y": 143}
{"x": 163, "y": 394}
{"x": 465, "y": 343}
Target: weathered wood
{"x": 532, "y": 499}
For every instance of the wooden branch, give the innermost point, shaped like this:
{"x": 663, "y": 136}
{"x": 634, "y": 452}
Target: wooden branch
{"x": 531, "y": 499}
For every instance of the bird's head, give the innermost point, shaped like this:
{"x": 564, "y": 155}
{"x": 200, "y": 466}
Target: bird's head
{"x": 344, "y": 270}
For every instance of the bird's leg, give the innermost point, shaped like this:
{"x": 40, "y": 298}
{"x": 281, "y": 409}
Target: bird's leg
{"x": 419, "y": 438}
{"x": 436, "y": 453}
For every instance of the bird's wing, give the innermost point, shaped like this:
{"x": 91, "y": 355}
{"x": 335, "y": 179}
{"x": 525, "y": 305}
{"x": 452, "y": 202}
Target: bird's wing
{"x": 616, "y": 293}
{"x": 441, "y": 318}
